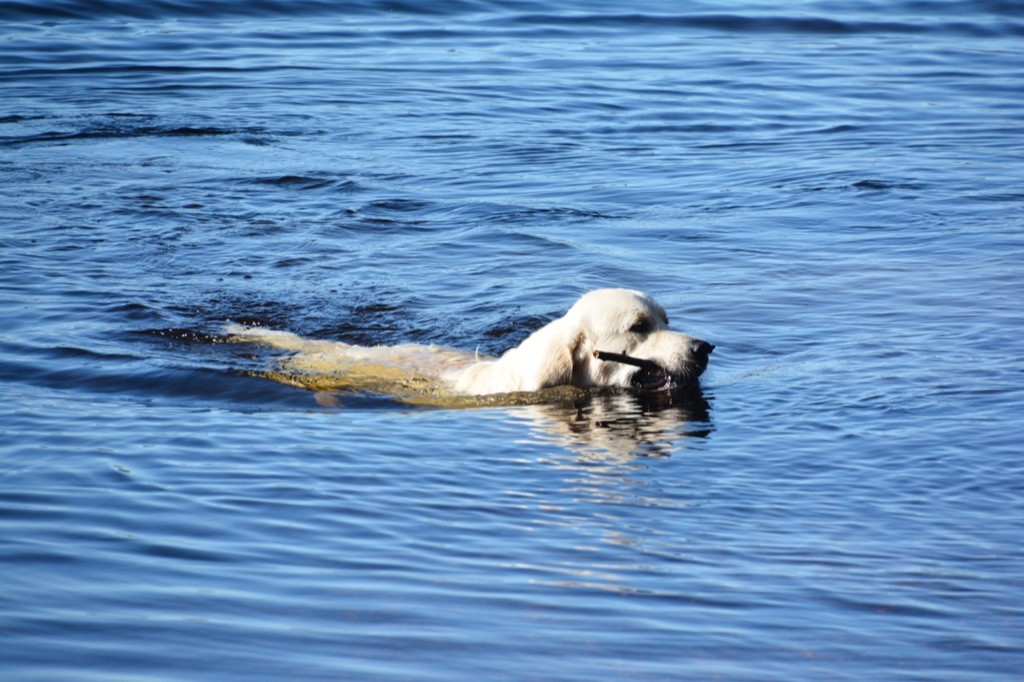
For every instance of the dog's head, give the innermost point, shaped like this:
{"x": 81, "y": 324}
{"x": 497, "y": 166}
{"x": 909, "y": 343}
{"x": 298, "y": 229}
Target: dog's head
{"x": 624, "y": 341}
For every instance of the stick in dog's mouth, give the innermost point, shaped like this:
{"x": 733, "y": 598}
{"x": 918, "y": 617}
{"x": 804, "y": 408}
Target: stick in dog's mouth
{"x": 650, "y": 377}
{"x": 626, "y": 360}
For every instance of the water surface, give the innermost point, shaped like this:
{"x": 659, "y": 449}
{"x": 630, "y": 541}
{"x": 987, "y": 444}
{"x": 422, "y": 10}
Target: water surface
{"x": 829, "y": 192}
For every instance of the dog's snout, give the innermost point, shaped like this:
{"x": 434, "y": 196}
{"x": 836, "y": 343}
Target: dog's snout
{"x": 701, "y": 349}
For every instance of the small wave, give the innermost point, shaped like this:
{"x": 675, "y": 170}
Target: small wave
{"x": 531, "y": 215}
{"x": 17, "y": 118}
{"x": 905, "y": 20}
{"x": 166, "y": 9}
{"x": 183, "y": 335}
{"x": 82, "y": 373}
{"x": 980, "y": 18}
{"x": 295, "y": 182}
{"x": 400, "y": 205}
{"x": 128, "y": 126}
{"x": 310, "y": 182}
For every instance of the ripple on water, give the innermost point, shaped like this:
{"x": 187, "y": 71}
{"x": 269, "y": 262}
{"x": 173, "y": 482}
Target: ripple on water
{"x": 831, "y": 196}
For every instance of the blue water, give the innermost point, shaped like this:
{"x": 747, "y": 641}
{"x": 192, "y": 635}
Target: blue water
{"x": 829, "y": 192}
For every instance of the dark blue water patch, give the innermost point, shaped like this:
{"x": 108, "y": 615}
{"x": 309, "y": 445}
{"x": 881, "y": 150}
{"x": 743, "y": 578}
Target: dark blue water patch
{"x": 184, "y": 335}
{"x": 311, "y": 182}
{"x": 842, "y": 183}
{"x": 126, "y": 126}
{"x": 821, "y": 19}
{"x": 531, "y": 215}
{"x": 170, "y": 9}
{"x": 74, "y": 371}
{"x": 757, "y": 23}
{"x": 16, "y": 118}
{"x": 162, "y": 9}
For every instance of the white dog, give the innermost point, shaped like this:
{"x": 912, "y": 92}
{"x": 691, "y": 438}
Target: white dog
{"x": 609, "y": 338}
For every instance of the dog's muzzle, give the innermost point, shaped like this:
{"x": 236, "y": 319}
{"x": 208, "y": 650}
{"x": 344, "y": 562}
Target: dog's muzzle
{"x": 650, "y": 376}
{"x": 652, "y": 379}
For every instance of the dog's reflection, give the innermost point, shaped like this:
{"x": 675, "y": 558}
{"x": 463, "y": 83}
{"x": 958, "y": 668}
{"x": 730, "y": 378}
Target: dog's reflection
{"x": 621, "y": 424}
{"x": 595, "y": 425}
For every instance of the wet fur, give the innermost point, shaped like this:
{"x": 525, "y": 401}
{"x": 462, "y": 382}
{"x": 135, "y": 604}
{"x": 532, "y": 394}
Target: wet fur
{"x": 559, "y": 354}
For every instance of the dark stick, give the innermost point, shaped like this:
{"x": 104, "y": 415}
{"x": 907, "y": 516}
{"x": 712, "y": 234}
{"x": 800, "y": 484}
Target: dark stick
{"x": 626, "y": 360}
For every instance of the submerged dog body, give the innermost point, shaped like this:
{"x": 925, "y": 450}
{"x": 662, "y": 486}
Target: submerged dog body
{"x": 609, "y": 338}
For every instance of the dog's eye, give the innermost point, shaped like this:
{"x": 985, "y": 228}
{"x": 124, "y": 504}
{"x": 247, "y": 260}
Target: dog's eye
{"x": 642, "y": 326}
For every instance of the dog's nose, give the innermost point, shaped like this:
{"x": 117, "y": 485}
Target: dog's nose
{"x": 701, "y": 349}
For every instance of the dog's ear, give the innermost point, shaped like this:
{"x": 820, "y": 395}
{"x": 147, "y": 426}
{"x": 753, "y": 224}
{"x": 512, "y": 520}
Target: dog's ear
{"x": 582, "y": 356}
{"x": 560, "y": 360}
